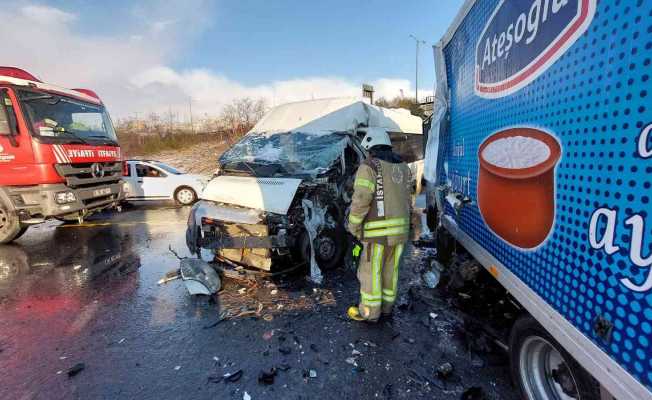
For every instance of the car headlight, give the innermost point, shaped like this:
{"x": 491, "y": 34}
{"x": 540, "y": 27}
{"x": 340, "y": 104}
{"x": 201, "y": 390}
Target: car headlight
{"x": 65, "y": 197}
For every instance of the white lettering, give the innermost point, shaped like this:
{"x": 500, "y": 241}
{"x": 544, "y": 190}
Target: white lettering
{"x": 557, "y": 5}
{"x": 519, "y": 30}
{"x": 501, "y": 43}
{"x": 487, "y": 54}
{"x": 545, "y": 11}
{"x": 643, "y": 150}
{"x": 533, "y": 24}
{"x": 510, "y": 39}
{"x": 635, "y": 254}
{"x": 635, "y": 251}
{"x": 607, "y": 240}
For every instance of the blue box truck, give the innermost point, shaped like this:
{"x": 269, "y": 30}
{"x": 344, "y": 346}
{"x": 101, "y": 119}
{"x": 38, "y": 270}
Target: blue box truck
{"x": 539, "y": 163}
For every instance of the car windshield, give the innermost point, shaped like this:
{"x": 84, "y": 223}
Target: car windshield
{"x": 168, "y": 168}
{"x": 296, "y": 152}
{"x": 64, "y": 117}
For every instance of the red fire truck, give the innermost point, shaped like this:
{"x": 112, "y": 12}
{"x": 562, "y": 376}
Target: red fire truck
{"x": 59, "y": 155}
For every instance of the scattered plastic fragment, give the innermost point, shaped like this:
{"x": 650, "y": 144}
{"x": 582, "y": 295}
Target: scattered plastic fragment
{"x": 313, "y": 373}
{"x": 246, "y": 396}
{"x": 75, "y": 369}
{"x": 233, "y": 377}
{"x": 273, "y": 292}
{"x": 268, "y": 335}
{"x": 433, "y": 315}
{"x": 178, "y": 367}
{"x": 351, "y": 361}
{"x": 242, "y": 291}
{"x": 199, "y": 277}
{"x": 355, "y": 353}
{"x": 121, "y": 341}
{"x": 431, "y": 278}
{"x": 445, "y": 370}
{"x": 216, "y": 359}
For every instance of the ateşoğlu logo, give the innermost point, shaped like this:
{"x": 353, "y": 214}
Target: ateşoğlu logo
{"x": 522, "y": 39}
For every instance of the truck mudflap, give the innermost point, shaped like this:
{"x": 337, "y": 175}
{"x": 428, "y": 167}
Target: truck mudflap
{"x": 546, "y": 129}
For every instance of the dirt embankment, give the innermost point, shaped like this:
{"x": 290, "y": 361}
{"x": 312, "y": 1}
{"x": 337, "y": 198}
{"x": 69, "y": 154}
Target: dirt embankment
{"x": 196, "y": 159}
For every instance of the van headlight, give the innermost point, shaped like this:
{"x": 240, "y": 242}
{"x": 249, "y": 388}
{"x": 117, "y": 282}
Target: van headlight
{"x": 65, "y": 197}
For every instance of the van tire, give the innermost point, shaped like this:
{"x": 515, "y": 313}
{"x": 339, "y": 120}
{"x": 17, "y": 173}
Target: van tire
{"x": 185, "y": 196}
{"x": 10, "y": 228}
{"x": 533, "y": 349}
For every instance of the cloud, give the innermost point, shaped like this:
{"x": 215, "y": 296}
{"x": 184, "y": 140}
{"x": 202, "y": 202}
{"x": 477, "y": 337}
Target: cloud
{"x": 131, "y": 70}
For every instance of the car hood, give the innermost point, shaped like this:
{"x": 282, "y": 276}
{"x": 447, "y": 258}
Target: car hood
{"x": 269, "y": 194}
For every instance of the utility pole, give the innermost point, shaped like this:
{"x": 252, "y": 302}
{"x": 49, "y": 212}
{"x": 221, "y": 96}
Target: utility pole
{"x": 192, "y": 125}
{"x": 416, "y": 68}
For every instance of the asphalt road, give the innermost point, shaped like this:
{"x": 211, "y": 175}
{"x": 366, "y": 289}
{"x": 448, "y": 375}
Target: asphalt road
{"x": 89, "y": 294}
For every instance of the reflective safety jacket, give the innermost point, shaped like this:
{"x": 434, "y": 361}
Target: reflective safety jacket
{"x": 380, "y": 209}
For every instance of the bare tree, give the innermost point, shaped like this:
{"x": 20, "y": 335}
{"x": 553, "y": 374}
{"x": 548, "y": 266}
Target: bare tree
{"x": 241, "y": 115}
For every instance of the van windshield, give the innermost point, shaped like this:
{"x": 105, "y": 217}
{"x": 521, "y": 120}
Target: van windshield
{"x": 67, "y": 118}
{"x": 294, "y": 152}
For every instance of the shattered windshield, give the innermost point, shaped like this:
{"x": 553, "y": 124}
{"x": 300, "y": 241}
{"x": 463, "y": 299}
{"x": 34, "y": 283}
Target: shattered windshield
{"x": 64, "y": 117}
{"x": 296, "y": 152}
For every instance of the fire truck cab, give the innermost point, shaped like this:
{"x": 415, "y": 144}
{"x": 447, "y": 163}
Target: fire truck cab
{"x": 59, "y": 155}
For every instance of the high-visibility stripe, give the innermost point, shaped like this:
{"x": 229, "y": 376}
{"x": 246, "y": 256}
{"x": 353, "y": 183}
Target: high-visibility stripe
{"x": 388, "y": 292}
{"x": 354, "y": 219}
{"x": 398, "y": 251}
{"x": 365, "y": 183}
{"x": 389, "y": 299}
{"x": 386, "y": 232}
{"x": 369, "y": 296}
{"x": 386, "y": 223}
{"x": 376, "y": 262}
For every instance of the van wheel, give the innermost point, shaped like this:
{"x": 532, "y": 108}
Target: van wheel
{"x": 542, "y": 368}
{"x": 330, "y": 246}
{"x": 185, "y": 196}
{"x": 10, "y": 228}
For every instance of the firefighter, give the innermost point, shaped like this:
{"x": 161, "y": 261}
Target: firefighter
{"x": 380, "y": 221}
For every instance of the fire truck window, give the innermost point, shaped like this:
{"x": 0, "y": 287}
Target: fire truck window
{"x": 145, "y": 171}
{"x": 4, "y": 124}
{"x": 6, "y": 110}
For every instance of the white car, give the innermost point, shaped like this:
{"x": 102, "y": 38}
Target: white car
{"x": 154, "y": 180}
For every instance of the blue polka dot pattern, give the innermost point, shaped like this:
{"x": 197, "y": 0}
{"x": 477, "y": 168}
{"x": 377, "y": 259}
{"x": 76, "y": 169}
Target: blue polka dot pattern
{"x": 594, "y": 100}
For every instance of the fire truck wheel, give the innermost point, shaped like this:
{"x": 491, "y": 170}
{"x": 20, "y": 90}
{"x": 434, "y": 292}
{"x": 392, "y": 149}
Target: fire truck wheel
{"x": 541, "y": 367}
{"x": 10, "y": 228}
{"x": 185, "y": 196}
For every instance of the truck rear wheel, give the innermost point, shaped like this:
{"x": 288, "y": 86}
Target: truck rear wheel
{"x": 542, "y": 368}
{"x": 10, "y": 228}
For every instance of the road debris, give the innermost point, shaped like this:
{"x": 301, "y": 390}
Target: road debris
{"x": 199, "y": 277}
{"x": 246, "y": 396}
{"x": 75, "y": 369}
{"x": 473, "y": 393}
{"x": 431, "y": 278}
{"x": 444, "y": 371}
{"x": 178, "y": 367}
{"x": 233, "y": 377}
{"x": 267, "y": 377}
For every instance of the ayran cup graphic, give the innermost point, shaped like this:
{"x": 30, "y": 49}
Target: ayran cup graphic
{"x": 516, "y": 185}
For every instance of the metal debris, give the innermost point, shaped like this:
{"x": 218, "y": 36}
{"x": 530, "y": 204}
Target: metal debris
{"x": 75, "y": 369}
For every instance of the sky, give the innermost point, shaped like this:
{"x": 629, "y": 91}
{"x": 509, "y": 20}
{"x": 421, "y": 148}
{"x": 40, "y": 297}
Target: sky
{"x": 155, "y": 55}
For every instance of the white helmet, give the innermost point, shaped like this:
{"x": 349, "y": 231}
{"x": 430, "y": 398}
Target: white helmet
{"x": 375, "y": 137}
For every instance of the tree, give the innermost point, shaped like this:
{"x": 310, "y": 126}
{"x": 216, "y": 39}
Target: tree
{"x": 241, "y": 115}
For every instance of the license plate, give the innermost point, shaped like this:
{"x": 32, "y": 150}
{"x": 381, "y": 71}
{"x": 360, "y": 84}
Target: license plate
{"x": 101, "y": 192}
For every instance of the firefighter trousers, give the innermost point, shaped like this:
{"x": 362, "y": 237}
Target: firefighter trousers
{"x": 378, "y": 276}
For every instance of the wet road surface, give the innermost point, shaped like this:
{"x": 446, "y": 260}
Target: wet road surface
{"x": 89, "y": 294}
